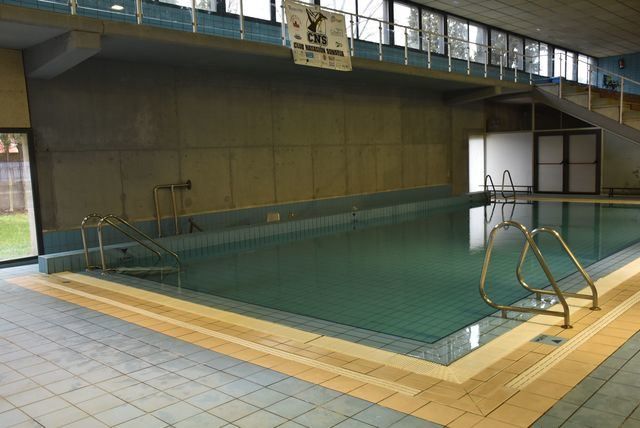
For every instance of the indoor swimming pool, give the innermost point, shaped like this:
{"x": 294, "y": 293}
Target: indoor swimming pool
{"x": 414, "y": 277}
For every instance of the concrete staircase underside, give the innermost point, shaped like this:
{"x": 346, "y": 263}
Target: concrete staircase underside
{"x": 604, "y": 111}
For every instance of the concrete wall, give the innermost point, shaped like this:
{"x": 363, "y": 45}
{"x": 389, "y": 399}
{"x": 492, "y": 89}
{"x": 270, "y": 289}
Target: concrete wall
{"x": 106, "y": 132}
{"x": 14, "y": 108}
{"x": 620, "y": 162}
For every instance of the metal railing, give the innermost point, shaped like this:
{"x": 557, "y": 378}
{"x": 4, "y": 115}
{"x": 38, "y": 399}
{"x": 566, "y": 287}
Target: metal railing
{"x": 198, "y": 20}
{"x": 172, "y": 188}
{"x": 126, "y": 229}
{"x": 530, "y": 243}
{"x": 492, "y": 193}
{"x": 507, "y": 174}
{"x": 604, "y": 83}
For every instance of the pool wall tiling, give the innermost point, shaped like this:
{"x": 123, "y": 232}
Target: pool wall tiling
{"x": 249, "y": 230}
{"x": 57, "y": 241}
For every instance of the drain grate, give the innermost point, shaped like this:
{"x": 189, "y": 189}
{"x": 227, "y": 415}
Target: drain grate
{"x": 549, "y": 340}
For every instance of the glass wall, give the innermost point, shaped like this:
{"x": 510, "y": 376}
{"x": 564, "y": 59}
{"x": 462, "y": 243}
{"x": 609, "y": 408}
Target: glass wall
{"x": 369, "y": 29}
{"x": 478, "y": 37}
{"x": 499, "y": 47}
{"x": 469, "y": 39}
{"x": 458, "y": 32}
{"x": 253, "y": 8}
{"x": 407, "y": 15}
{"x": 18, "y": 236}
{"x": 433, "y": 25}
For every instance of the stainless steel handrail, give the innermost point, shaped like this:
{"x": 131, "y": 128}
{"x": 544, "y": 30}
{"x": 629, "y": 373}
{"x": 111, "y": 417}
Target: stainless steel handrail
{"x": 486, "y": 187}
{"x": 113, "y": 221}
{"x": 84, "y": 238}
{"x": 594, "y": 292}
{"x": 507, "y": 173}
{"x": 172, "y": 188}
{"x": 543, "y": 264}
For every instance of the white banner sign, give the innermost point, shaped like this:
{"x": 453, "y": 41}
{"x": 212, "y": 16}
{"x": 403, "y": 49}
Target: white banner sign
{"x": 318, "y": 38}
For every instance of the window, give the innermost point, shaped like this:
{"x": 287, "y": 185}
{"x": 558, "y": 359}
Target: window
{"x": 254, "y": 8}
{"x": 458, "y": 32}
{"x": 433, "y": 25}
{"x": 407, "y": 16}
{"x": 571, "y": 66}
{"x": 209, "y": 5}
{"x": 545, "y": 59}
{"x": 279, "y": 8}
{"x": 559, "y": 63}
{"x": 532, "y": 56}
{"x": 346, "y": 6}
{"x": 516, "y": 52}
{"x": 369, "y": 29}
{"x": 583, "y": 68}
{"x": 498, "y": 47}
{"x": 478, "y": 41}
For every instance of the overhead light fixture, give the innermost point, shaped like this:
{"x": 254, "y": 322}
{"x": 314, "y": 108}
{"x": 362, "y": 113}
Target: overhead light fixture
{"x": 537, "y": 29}
{"x": 117, "y": 7}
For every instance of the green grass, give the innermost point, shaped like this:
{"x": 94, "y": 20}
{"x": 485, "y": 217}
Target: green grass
{"x": 14, "y": 236}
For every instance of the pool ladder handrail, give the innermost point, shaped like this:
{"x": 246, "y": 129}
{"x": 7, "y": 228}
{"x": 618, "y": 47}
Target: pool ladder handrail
{"x": 172, "y": 188}
{"x": 507, "y": 173}
{"x": 492, "y": 194}
{"x": 128, "y": 230}
{"x": 530, "y": 243}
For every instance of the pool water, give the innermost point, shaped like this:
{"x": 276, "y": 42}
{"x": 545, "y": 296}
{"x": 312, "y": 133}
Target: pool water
{"x": 417, "y": 278}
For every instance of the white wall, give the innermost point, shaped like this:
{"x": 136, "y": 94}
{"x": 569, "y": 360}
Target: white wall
{"x": 512, "y": 151}
{"x": 620, "y": 162}
{"x": 476, "y": 163}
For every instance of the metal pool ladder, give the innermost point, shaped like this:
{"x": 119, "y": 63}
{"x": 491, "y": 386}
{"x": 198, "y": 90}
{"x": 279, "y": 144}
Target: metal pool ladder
{"x": 126, "y": 229}
{"x": 530, "y": 243}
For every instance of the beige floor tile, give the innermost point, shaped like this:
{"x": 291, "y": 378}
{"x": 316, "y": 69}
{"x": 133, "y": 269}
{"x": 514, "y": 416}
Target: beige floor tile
{"x": 547, "y": 389}
{"x": 316, "y": 375}
{"x": 467, "y": 420}
{"x": 438, "y": 413}
{"x": 343, "y": 384}
{"x": 371, "y": 393}
{"x": 403, "y": 403}
{"x": 515, "y": 415}
{"x": 528, "y": 400}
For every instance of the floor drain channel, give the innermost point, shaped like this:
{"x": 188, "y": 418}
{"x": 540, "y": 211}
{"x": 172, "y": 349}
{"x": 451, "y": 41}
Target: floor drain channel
{"x": 549, "y": 340}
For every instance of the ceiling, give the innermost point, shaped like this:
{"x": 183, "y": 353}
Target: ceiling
{"x": 598, "y": 28}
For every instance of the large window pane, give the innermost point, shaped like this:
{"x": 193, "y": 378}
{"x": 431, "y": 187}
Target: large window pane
{"x": 559, "y": 62}
{"x": 254, "y": 8}
{"x": 498, "y": 47}
{"x": 17, "y": 220}
{"x": 478, "y": 39}
{"x": 279, "y": 8}
{"x": 516, "y": 52}
{"x": 406, "y": 15}
{"x": 369, "y": 29}
{"x": 571, "y": 66}
{"x": 458, "y": 32}
{"x": 532, "y": 56}
{"x": 545, "y": 59}
{"x": 433, "y": 25}
{"x": 583, "y": 68}
{"x": 346, "y": 6}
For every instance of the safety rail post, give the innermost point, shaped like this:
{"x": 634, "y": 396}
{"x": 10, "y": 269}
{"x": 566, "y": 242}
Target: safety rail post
{"x": 449, "y": 53}
{"x": 406, "y": 47}
{"x": 138, "y": 11}
{"x": 379, "y": 40}
{"x": 352, "y": 45}
{"x": 468, "y": 58}
{"x": 589, "y": 84}
{"x": 73, "y": 5}
{"x": 501, "y": 66}
{"x": 241, "y": 19}
{"x": 429, "y": 52}
{"x": 194, "y": 16}
{"x": 283, "y": 31}
{"x": 486, "y": 61}
{"x": 621, "y": 97}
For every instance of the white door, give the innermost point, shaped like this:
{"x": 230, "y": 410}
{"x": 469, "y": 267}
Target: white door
{"x": 583, "y": 163}
{"x": 550, "y": 163}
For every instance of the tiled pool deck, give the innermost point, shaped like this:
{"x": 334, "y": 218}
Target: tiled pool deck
{"x": 74, "y": 359}
{"x": 64, "y": 365}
